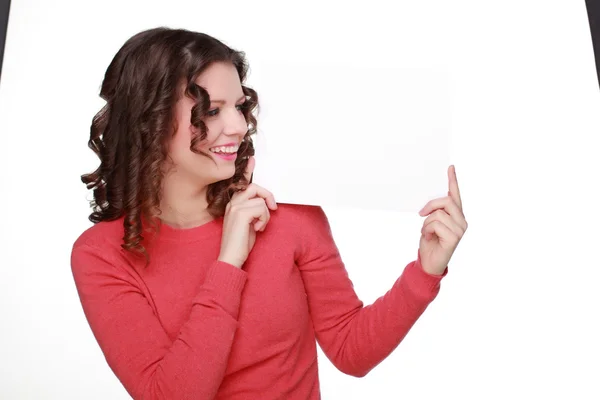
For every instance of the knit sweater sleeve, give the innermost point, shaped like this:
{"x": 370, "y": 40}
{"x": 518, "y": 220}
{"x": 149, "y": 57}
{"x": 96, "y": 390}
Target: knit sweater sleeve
{"x": 356, "y": 338}
{"x": 147, "y": 362}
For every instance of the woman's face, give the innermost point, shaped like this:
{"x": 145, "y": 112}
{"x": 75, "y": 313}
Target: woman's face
{"x": 226, "y": 127}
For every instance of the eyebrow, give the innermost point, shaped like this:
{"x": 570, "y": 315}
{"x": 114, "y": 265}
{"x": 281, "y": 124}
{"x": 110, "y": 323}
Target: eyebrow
{"x": 223, "y": 101}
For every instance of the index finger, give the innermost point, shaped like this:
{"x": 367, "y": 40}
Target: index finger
{"x": 454, "y": 191}
{"x": 253, "y": 191}
{"x": 249, "y": 169}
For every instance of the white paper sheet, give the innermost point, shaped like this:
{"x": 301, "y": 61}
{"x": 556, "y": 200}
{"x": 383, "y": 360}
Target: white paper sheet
{"x": 353, "y": 136}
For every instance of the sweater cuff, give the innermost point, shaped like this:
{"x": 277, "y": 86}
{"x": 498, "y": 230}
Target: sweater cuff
{"x": 227, "y": 283}
{"x": 422, "y": 282}
{"x": 226, "y": 277}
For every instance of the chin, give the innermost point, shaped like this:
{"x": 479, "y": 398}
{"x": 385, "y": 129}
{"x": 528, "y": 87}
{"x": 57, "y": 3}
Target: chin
{"x": 223, "y": 175}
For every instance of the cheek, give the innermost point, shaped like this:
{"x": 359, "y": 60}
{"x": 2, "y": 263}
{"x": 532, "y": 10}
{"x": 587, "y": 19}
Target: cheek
{"x": 181, "y": 141}
{"x": 179, "y": 146}
{"x": 181, "y": 153}
{"x": 179, "y": 149}
{"x": 212, "y": 133}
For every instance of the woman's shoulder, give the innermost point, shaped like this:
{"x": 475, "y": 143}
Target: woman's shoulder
{"x": 297, "y": 214}
{"x": 97, "y": 258}
{"x": 102, "y": 235}
{"x": 304, "y": 222}
{"x": 305, "y": 227}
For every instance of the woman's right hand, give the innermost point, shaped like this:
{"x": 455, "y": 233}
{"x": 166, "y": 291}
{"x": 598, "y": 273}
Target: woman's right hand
{"x": 246, "y": 214}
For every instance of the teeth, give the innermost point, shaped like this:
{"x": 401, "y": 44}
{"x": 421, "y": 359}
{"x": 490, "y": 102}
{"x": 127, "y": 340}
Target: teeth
{"x": 225, "y": 149}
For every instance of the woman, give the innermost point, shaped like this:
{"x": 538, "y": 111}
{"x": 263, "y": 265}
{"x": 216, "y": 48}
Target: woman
{"x": 195, "y": 283}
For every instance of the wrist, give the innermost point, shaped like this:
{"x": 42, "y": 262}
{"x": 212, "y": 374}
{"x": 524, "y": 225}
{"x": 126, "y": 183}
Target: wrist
{"x": 428, "y": 269}
{"x": 434, "y": 271}
{"x": 231, "y": 261}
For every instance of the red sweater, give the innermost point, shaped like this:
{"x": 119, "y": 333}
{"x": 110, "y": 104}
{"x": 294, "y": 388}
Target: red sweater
{"x": 189, "y": 327}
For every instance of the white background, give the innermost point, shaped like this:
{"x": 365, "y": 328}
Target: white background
{"x": 517, "y": 316}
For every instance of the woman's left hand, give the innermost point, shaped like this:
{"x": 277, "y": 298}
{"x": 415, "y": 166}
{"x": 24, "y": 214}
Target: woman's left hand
{"x": 443, "y": 228}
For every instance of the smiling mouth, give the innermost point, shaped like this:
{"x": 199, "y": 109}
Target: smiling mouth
{"x": 227, "y": 153}
{"x": 224, "y": 150}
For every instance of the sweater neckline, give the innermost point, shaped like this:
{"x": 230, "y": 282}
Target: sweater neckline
{"x": 168, "y": 232}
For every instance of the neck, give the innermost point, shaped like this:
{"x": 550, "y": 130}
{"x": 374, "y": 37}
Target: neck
{"x": 183, "y": 204}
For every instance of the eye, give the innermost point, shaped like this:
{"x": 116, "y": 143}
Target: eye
{"x": 243, "y": 106}
{"x": 212, "y": 113}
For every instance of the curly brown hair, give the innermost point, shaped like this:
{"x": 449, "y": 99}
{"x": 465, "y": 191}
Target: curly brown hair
{"x": 130, "y": 133}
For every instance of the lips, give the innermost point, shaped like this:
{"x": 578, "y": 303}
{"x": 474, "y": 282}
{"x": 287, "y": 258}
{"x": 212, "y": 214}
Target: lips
{"x": 225, "y": 149}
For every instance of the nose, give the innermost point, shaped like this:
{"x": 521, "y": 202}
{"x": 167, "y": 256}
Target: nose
{"x": 235, "y": 123}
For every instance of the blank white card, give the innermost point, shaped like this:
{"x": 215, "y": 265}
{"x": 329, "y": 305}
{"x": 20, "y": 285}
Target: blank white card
{"x": 352, "y": 136}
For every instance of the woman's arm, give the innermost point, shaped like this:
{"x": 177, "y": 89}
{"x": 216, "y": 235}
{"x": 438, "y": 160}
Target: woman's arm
{"x": 356, "y": 338}
{"x": 147, "y": 362}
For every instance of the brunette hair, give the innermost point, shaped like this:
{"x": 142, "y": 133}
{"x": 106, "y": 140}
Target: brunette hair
{"x": 130, "y": 133}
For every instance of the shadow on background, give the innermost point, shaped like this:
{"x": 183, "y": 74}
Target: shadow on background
{"x": 4, "y": 9}
{"x": 593, "y": 10}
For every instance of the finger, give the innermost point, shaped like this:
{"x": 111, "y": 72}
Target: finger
{"x": 254, "y": 212}
{"x": 449, "y": 206}
{"x": 444, "y": 233}
{"x": 444, "y": 218}
{"x": 247, "y": 205}
{"x": 257, "y": 214}
{"x": 253, "y": 191}
{"x": 454, "y": 191}
{"x": 445, "y": 203}
{"x": 250, "y": 168}
{"x": 261, "y": 224}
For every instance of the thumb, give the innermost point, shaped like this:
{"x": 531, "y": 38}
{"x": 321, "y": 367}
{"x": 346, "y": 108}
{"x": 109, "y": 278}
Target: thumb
{"x": 249, "y": 168}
